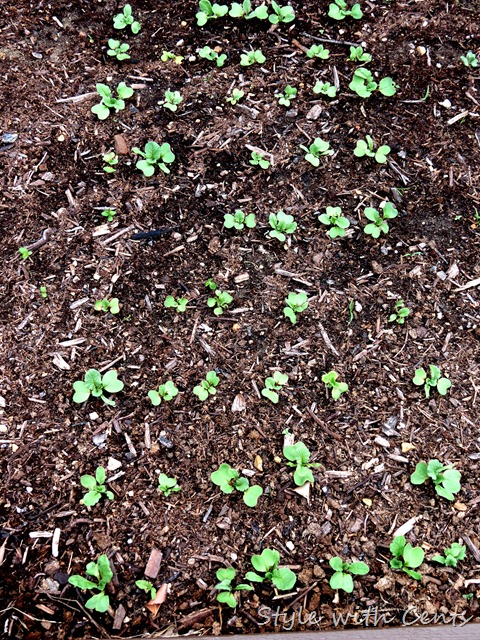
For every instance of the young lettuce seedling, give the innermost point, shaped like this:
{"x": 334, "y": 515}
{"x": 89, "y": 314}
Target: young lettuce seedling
{"x": 95, "y": 384}
{"x": 208, "y": 11}
{"x": 96, "y": 487}
{"x": 111, "y": 159}
{"x": 24, "y": 253}
{"x": 172, "y": 100}
{"x": 165, "y": 392}
{"x": 211, "y": 54}
{"x": 207, "y": 386}
{"x": 258, "y": 160}
{"x": 452, "y": 555}
{"x": 229, "y": 479}
{"x": 358, "y": 55}
{"x": 274, "y": 384}
{"x": 325, "y": 89}
{"x": 296, "y": 303}
{"x": 168, "y": 55}
{"x": 155, "y": 155}
{"x": 318, "y": 51}
{"x": 364, "y": 85}
{"x": 365, "y": 148}
{"x": 334, "y": 219}
{"x": 102, "y": 573}
{"x": 285, "y": 98}
{"x": 148, "y": 587}
{"x": 109, "y": 214}
{"x": 330, "y": 379}
{"x": 342, "y": 578}
{"x": 125, "y": 19}
{"x": 107, "y": 305}
{"x": 267, "y": 563}
{"x": 284, "y": 14}
{"x": 281, "y": 223}
{"x": 43, "y": 292}
{"x": 102, "y": 109}
{"x": 406, "y": 557}
{"x": 180, "y": 304}
{"x": 338, "y": 10}
{"x": 210, "y": 284}
{"x": 118, "y": 50}
{"x": 379, "y": 222}
{"x": 445, "y": 478}
{"x": 239, "y": 220}
{"x": 299, "y": 457}
{"x": 318, "y": 149}
{"x": 219, "y": 301}
{"x": 244, "y": 10}
{"x": 400, "y": 313}
{"x": 435, "y": 380}
{"x": 252, "y": 57}
{"x": 226, "y": 589}
{"x": 167, "y": 485}
{"x": 470, "y": 60}
{"x": 237, "y": 95}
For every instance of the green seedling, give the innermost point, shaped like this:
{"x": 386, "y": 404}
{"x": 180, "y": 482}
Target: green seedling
{"x": 338, "y": 11}
{"x": 229, "y": 479}
{"x": 95, "y": 384}
{"x": 365, "y": 148}
{"x": 318, "y": 51}
{"x": 111, "y": 159}
{"x": 167, "y": 485}
{"x": 96, "y": 488}
{"x": 210, "y": 284}
{"x": 364, "y": 85}
{"x": 208, "y": 11}
{"x": 43, "y": 292}
{"x": 470, "y": 60}
{"x": 299, "y": 457}
{"x": 325, "y": 89}
{"x": 207, "y": 386}
{"x": 452, "y": 555}
{"x": 102, "y": 109}
{"x": 267, "y": 563}
{"x": 296, "y": 303}
{"x": 284, "y": 14}
{"x": 285, "y": 98}
{"x": 244, "y": 10}
{"x": 239, "y": 220}
{"x": 400, "y": 313}
{"x": 155, "y": 155}
{"x": 333, "y": 218}
{"x": 148, "y": 587}
{"x": 165, "y": 392}
{"x": 109, "y": 214}
{"x": 252, "y": 57}
{"x": 378, "y": 219}
{"x": 226, "y": 589}
{"x": 24, "y": 253}
{"x": 406, "y": 557}
{"x": 445, "y": 478}
{"x": 168, "y": 55}
{"x": 351, "y": 309}
{"x": 102, "y": 573}
{"x": 237, "y": 95}
{"x": 118, "y": 50}
{"x": 219, "y": 302}
{"x": 318, "y": 149}
{"x": 342, "y": 578}
{"x": 357, "y": 54}
{"x": 211, "y": 54}
{"x": 282, "y": 224}
{"x": 257, "y": 159}
{"x": 125, "y": 19}
{"x": 274, "y": 384}
{"x": 180, "y": 304}
{"x": 172, "y": 100}
{"x": 330, "y": 379}
{"x": 107, "y": 305}
{"x": 435, "y": 380}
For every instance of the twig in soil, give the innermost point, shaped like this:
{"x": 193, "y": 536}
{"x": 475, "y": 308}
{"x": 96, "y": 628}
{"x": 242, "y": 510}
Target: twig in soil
{"x": 76, "y": 99}
{"x": 327, "y": 340}
{"x": 473, "y": 549}
{"x": 304, "y": 593}
{"x": 344, "y": 42}
{"x": 153, "y": 234}
{"x": 469, "y": 285}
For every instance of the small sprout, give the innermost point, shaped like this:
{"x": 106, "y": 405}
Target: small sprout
{"x": 330, "y": 379}
{"x": 107, "y": 305}
{"x": 452, "y": 555}
{"x": 400, "y": 313}
{"x": 168, "y": 55}
{"x": 125, "y": 19}
{"x": 229, "y": 479}
{"x": 282, "y": 14}
{"x": 325, "y": 89}
{"x": 148, "y": 587}
{"x": 96, "y": 488}
{"x": 299, "y": 457}
{"x": 237, "y": 95}
{"x": 338, "y": 10}
{"x": 24, "y": 253}
{"x": 244, "y": 10}
{"x": 379, "y": 222}
{"x": 406, "y": 557}
{"x": 165, "y": 392}
{"x": 334, "y": 219}
{"x": 208, "y": 11}
{"x": 111, "y": 159}
{"x": 445, "y": 478}
{"x": 358, "y": 55}
{"x": 226, "y": 589}
{"x": 102, "y": 573}
{"x": 342, "y": 578}
{"x": 118, "y": 50}
{"x": 207, "y": 386}
{"x": 211, "y": 54}
{"x": 219, "y": 301}
{"x": 365, "y": 148}
{"x": 102, "y": 109}
{"x": 318, "y": 149}
{"x": 281, "y": 223}
{"x": 287, "y": 96}
{"x": 267, "y": 563}
{"x": 109, "y": 213}
{"x": 274, "y": 384}
{"x": 167, "y": 485}
{"x": 172, "y": 100}
{"x": 239, "y": 220}
{"x": 155, "y": 155}
{"x": 318, "y": 51}
{"x": 95, "y": 384}
{"x": 363, "y": 83}
{"x": 387, "y": 87}
{"x": 210, "y": 284}
{"x": 435, "y": 380}
{"x": 43, "y": 292}
{"x": 252, "y": 57}
{"x": 259, "y": 159}
{"x": 180, "y": 304}
{"x": 296, "y": 303}
{"x": 470, "y": 60}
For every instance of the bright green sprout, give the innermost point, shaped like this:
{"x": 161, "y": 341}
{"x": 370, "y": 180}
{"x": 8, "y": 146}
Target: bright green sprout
{"x": 325, "y": 89}
{"x": 257, "y": 159}
{"x": 452, "y": 555}
{"x": 43, "y": 292}
{"x": 24, "y": 252}
{"x": 167, "y": 485}
{"x": 252, "y": 57}
{"x": 330, "y": 379}
{"x": 287, "y": 96}
{"x": 148, "y": 587}
{"x": 299, "y": 457}
{"x": 351, "y": 308}
{"x": 168, "y": 55}
{"x": 125, "y": 19}
{"x": 180, "y": 304}
{"x": 165, "y": 392}
{"x": 281, "y": 223}
{"x": 470, "y": 60}
{"x": 95, "y": 384}
{"x": 102, "y": 573}
{"x": 274, "y": 384}
{"x": 379, "y": 222}
{"x": 207, "y": 386}
{"x": 400, "y": 313}
{"x": 318, "y": 51}
{"x": 342, "y": 578}
{"x": 244, "y": 10}
{"x": 107, "y": 305}
{"x": 210, "y": 284}
{"x": 96, "y": 487}
{"x": 267, "y": 563}
{"x": 318, "y": 149}
{"x": 239, "y": 220}
{"x": 435, "y": 380}
{"x": 102, "y": 109}
{"x": 284, "y": 14}
{"x": 118, "y": 50}
{"x": 155, "y": 155}
{"x": 445, "y": 478}
{"x": 237, "y": 95}
{"x": 365, "y": 148}
{"x": 364, "y": 85}
{"x": 229, "y": 479}
{"x": 338, "y": 10}
{"x": 226, "y": 589}
{"x": 406, "y": 557}
{"x": 109, "y": 214}
{"x": 296, "y": 303}
{"x": 211, "y": 54}
{"x": 111, "y": 159}
{"x": 172, "y": 100}
{"x": 219, "y": 302}
{"x": 333, "y": 218}
{"x": 357, "y": 54}
{"x": 208, "y": 11}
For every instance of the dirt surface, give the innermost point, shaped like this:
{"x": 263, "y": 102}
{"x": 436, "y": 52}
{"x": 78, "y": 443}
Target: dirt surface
{"x": 368, "y": 442}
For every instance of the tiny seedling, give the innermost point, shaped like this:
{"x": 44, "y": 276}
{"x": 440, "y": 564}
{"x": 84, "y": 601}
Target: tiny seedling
{"x": 95, "y": 384}
{"x": 172, "y": 100}
{"x": 400, "y": 313}
{"x": 167, "y": 485}
{"x": 274, "y": 384}
{"x": 284, "y": 14}
{"x": 111, "y": 160}
{"x": 219, "y": 301}
{"x": 155, "y": 155}
{"x": 333, "y": 218}
{"x": 210, "y": 54}
{"x": 226, "y": 589}
{"x": 252, "y": 57}
{"x": 43, "y": 292}
{"x": 267, "y": 563}
{"x": 210, "y": 284}
{"x": 330, "y": 379}
{"x": 208, "y": 11}
{"x": 257, "y": 159}
{"x": 318, "y": 149}
{"x": 285, "y": 98}
{"x": 102, "y": 573}
{"x": 244, "y": 10}
{"x": 299, "y": 457}
{"x": 96, "y": 487}
{"x": 118, "y": 50}
{"x": 318, "y": 51}
{"x": 435, "y": 380}
{"x": 452, "y": 555}
{"x": 239, "y": 220}
{"x": 236, "y": 96}
{"x": 445, "y": 478}
{"x": 364, "y": 85}
{"x": 207, "y": 386}
{"x": 24, "y": 253}
{"x": 229, "y": 479}
{"x": 470, "y": 60}
{"x": 109, "y": 214}
{"x": 168, "y": 55}
{"x": 165, "y": 392}
{"x": 338, "y": 10}
{"x": 296, "y": 303}
{"x": 281, "y": 223}
{"x": 357, "y": 54}
{"x": 342, "y": 578}
{"x": 365, "y": 148}
{"x": 378, "y": 219}
{"x": 406, "y": 557}
{"x": 125, "y": 19}
{"x": 107, "y": 305}
{"x": 180, "y": 304}
{"x": 325, "y": 89}
{"x": 108, "y": 101}
{"x": 147, "y": 586}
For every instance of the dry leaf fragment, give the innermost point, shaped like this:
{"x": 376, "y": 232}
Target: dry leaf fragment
{"x": 153, "y": 564}
{"x": 154, "y": 605}
{"x": 258, "y": 463}
{"x": 405, "y": 528}
{"x": 304, "y": 491}
{"x": 407, "y": 446}
{"x": 239, "y": 403}
{"x": 459, "y": 506}
{"x": 367, "y": 501}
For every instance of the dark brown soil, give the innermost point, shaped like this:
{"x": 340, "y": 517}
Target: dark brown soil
{"x": 368, "y": 442}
